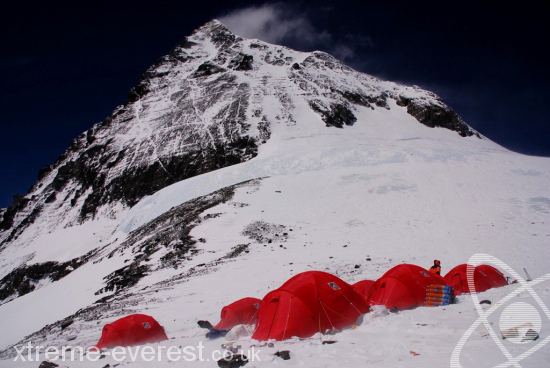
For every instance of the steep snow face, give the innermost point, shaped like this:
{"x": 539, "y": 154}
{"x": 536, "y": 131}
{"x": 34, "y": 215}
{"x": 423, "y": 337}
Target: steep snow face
{"x": 208, "y": 104}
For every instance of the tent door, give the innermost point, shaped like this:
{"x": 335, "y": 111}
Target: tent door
{"x": 271, "y": 313}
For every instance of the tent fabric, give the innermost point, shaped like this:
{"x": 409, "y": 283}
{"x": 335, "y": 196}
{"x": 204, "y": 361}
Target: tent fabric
{"x": 135, "y": 329}
{"x": 485, "y": 278}
{"x": 497, "y": 278}
{"x": 242, "y": 312}
{"x": 403, "y": 287}
{"x": 363, "y": 287}
{"x": 308, "y": 303}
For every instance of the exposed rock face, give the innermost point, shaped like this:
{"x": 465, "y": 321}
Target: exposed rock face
{"x": 335, "y": 115}
{"x": 200, "y": 108}
{"x": 7, "y": 214}
{"x": 2, "y": 211}
{"x": 436, "y": 115}
{"x": 242, "y": 62}
{"x": 24, "y": 279}
{"x": 169, "y": 235}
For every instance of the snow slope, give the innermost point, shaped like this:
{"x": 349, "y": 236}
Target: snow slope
{"x": 382, "y": 340}
{"x": 380, "y": 136}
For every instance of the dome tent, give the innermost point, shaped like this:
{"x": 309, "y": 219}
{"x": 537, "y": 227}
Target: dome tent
{"x": 135, "y": 329}
{"x": 243, "y": 311}
{"x": 309, "y": 302}
{"x": 363, "y": 287}
{"x": 496, "y": 277}
{"x": 403, "y": 287}
{"x": 485, "y": 278}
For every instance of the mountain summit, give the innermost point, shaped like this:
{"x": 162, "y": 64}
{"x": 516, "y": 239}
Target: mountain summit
{"x": 210, "y": 103}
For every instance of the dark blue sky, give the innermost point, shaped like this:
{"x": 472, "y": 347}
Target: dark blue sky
{"x": 65, "y": 66}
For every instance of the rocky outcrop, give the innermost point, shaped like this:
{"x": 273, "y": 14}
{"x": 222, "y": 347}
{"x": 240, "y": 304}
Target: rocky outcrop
{"x": 334, "y": 114}
{"x": 352, "y": 88}
{"x": 7, "y": 214}
{"x": 242, "y": 62}
{"x": 436, "y": 115}
{"x": 27, "y": 278}
{"x": 169, "y": 235}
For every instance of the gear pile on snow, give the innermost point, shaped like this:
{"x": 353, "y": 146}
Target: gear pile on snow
{"x": 439, "y": 295}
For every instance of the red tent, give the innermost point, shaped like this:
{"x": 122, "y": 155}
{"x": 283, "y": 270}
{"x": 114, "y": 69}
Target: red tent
{"x": 497, "y": 278}
{"x": 363, "y": 287}
{"x": 309, "y": 302}
{"x": 485, "y": 278}
{"x": 243, "y": 311}
{"x": 404, "y": 286}
{"x": 135, "y": 329}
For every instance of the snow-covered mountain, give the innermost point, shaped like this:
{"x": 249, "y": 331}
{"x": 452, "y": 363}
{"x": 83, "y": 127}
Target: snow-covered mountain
{"x": 236, "y": 164}
{"x": 208, "y": 104}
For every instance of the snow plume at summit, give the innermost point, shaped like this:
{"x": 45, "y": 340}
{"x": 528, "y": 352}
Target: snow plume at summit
{"x": 273, "y": 23}
{"x": 285, "y": 24}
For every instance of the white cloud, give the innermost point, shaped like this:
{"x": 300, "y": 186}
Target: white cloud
{"x": 342, "y": 52}
{"x": 274, "y": 23}
{"x": 284, "y": 24}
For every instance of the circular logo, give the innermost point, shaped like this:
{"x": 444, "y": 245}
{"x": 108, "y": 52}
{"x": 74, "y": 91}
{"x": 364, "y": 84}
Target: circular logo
{"x": 519, "y": 323}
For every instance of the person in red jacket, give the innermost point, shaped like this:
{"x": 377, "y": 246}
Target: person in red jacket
{"x": 436, "y": 268}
